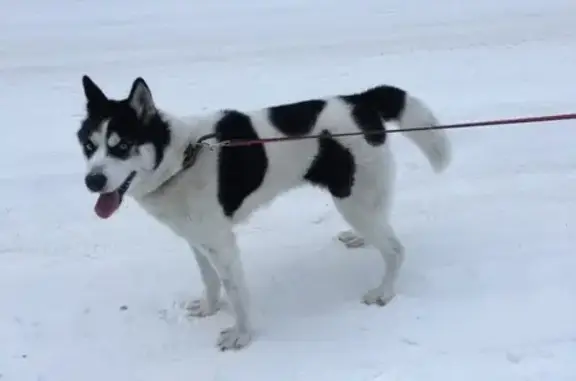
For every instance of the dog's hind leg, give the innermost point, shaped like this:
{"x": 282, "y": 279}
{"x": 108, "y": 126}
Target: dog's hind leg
{"x": 367, "y": 210}
{"x": 210, "y": 303}
{"x": 351, "y": 239}
{"x": 378, "y": 232}
{"x": 375, "y": 230}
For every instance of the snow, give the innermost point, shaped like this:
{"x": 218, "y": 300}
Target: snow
{"x": 487, "y": 291}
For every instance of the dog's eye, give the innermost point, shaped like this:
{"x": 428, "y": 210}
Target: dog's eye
{"x": 123, "y": 146}
{"x": 88, "y": 146}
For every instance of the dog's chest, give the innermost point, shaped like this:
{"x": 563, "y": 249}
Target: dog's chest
{"x": 184, "y": 215}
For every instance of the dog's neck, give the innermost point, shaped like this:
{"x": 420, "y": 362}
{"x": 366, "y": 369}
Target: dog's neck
{"x": 179, "y": 155}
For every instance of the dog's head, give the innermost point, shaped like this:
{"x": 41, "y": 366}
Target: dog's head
{"x": 121, "y": 140}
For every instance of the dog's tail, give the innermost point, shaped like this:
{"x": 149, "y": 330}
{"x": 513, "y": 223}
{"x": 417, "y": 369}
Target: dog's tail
{"x": 434, "y": 143}
{"x": 410, "y": 112}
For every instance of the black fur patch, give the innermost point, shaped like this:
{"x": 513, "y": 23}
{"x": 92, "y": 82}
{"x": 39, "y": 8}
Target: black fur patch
{"x": 373, "y": 105}
{"x": 241, "y": 169}
{"x": 89, "y": 124}
{"x": 296, "y": 119}
{"x": 87, "y": 127}
{"x": 132, "y": 131}
{"x": 333, "y": 168}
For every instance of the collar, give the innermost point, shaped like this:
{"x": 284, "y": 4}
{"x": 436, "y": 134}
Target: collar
{"x": 192, "y": 150}
{"x": 190, "y": 156}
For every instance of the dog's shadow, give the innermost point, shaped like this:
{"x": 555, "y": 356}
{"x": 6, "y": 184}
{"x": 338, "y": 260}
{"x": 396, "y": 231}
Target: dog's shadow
{"x": 317, "y": 277}
{"x": 298, "y": 273}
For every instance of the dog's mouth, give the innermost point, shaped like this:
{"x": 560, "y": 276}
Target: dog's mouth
{"x": 108, "y": 203}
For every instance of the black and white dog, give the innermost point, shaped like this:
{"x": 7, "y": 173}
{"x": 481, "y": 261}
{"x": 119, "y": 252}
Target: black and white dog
{"x": 133, "y": 148}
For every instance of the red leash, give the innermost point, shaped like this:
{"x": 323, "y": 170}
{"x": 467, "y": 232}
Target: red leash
{"x": 487, "y": 123}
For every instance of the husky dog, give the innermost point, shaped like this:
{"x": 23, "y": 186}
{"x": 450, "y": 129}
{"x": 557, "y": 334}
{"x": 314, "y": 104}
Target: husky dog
{"x": 133, "y": 148}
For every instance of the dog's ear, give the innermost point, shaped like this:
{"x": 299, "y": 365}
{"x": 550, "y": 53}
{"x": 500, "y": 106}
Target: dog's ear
{"x": 94, "y": 96}
{"x": 140, "y": 99}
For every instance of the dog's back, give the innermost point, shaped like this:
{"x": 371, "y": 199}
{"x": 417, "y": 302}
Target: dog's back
{"x": 253, "y": 175}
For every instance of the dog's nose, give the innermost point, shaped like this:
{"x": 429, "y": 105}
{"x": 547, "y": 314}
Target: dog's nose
{"x": 95, "y": 181}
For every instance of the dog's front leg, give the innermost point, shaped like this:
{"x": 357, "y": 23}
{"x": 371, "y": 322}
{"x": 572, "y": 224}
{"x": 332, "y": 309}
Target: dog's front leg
{"x": 210, "y": 303}
{"x": 225, "y": 257}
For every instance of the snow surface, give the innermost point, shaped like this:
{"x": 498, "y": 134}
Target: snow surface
{"x": 488, "y": 289}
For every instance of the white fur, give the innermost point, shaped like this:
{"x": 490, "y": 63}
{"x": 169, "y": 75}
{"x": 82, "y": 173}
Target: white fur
{"x": 113, "y": 140}
{"x": 188, "y": 204}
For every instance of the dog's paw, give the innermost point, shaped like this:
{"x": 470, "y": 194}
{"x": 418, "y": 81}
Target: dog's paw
{"x": 377, "y": 297}
{"x": 350, "y": 239}
{"x": 202, "y": 308}
{"x": 233, "y": 338}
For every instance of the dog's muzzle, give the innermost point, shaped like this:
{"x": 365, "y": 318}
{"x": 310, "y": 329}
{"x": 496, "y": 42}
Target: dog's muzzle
{"x": 109, "y": 202}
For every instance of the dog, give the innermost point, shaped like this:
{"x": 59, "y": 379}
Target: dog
{"x": 185, "y": 173}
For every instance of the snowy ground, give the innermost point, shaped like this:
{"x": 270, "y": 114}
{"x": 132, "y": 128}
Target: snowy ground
{"x": 488, "y": 289}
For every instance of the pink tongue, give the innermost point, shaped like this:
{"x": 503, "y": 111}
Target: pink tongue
{"x": 107, "y": 204}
